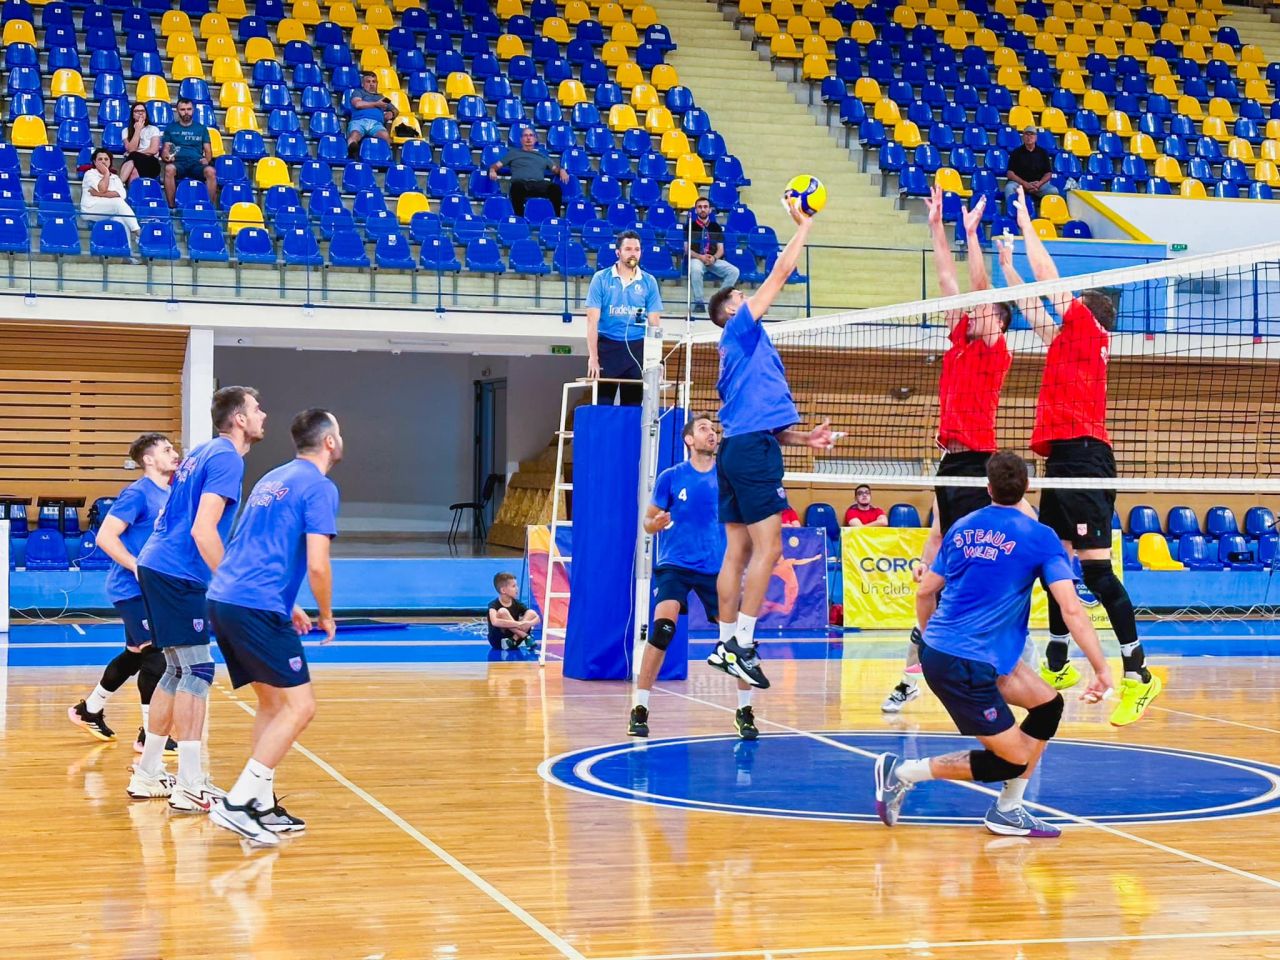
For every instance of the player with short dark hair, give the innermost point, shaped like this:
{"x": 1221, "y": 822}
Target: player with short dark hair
{"x": 1071, "y": 433}
{"x": 511, "y": 623}
{"x": 289, "y": 519}
{"x": 971, "y": 650}
{"x": 120, "y": 536}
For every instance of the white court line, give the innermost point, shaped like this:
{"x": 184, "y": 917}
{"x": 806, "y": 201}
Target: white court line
{"x": 1205, "y": 716}
{"x": 979, "y": 788}
{"x": 562, "y": 946}
{"x": 78, "y": 629}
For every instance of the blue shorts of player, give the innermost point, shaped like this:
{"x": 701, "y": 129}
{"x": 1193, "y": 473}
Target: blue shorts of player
{"x": 175, "y": 609}
{"x": 749, "y": 467}
{"x": 676, "y": 583}
{"x": 137, "y": 630}
{"x": 967, "y": 688}
{"x": 259, "y": 646}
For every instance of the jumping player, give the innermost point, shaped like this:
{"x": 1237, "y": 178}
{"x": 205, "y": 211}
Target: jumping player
{"x": 758, "y": 417}
{"x": 124, "y": 530}
{"x": 1071, "y": 432}
{"x": 289, "y": 519}
{"x": 989, "y": 561}
{"x": 174, "y": 569}
{"x": 690, "y": 548}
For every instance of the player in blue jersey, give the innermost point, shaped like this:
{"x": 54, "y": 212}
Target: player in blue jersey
{"x": 972, "y": 646}
{"x": 758, "y": 417}
{"x": 121, "y": 535}
{"x": 289, "y": 519}
{"x": 684, "y": 514}
{"x": 174, "y": 570}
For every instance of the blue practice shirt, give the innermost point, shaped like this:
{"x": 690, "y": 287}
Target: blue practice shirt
{"x": 267, "y": 558}
{"x": 622, "y": 305}
{"x": 364, "y": 113}
{"x": 754, "y": 394}
{"x": 990, "y": 560}
{"x": 212, "y": 467}
{"x": 695, "y": 539}
{"x": 138, "y": 506}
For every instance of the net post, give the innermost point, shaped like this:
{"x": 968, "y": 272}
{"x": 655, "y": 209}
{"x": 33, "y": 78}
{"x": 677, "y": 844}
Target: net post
{"x": 650, "y": 429}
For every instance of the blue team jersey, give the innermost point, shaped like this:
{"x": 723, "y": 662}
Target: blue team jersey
{"x": 138, "y": 506}
{"x": 213, "y": 467}
{"x": 624, "y": 307}
{"x": 754, "y": 394}
{"x": 695, "y": 539}
{"x": 990, "y": 560}
{"x": 267, "y": 558}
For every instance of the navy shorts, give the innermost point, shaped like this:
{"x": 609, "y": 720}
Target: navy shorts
{"x": 137, "y": 628}
{"x": 189, "y": 169}
{"x": 967, "y": 688}
{"x": 750, "y": 470}
{"x": 259, "y": 646}
{"x": 676, "y": 583}
{"x": 175, "y": 608}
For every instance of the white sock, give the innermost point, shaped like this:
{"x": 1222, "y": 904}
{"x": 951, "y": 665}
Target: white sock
{"x": 146, "y": 713}
{"x": 726, "y": 630}
{"x": 189, "y": 763}
{"x": 745, "y": 630}
{"x": 98, "y": 699}
{"x": 153, "y": 752}
{"x": 914, "y": 771}
{"x": 744, "y": 698}
{"x": 909, "y": 679}
{"x": 254, "y": 779}
{"x": 1011, "y": 795}
{"x": 642, "y": 698}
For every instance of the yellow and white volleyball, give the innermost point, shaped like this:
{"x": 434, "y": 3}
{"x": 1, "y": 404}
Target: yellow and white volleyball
{"x": 807, "y": 193}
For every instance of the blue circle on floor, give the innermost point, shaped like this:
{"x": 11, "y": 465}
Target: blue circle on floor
{"x": 828, "y": 776}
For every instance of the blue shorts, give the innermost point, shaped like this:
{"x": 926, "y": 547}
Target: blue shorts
{"x": 189, "y": 169}
{"x": 750, "y": 471}
{"x": 366, "y": 127}
{"x": 676, "y": 583}
{"x": 259, "y": 646}
{"x": 175, "y": 608}
{"x": 137, "y": 629}
{"x": 967, "y": 688}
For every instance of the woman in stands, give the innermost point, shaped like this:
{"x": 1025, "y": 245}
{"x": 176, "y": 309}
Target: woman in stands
{"x": 102, "y": 196}
{"x": 141, "y": 147}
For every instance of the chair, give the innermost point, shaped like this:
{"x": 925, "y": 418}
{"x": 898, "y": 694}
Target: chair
{"x": 823, "y": 516}
{"x": 253, "y": 245}
{"x": 109, "y": 238}
{"x": 477, "y": 508}
{"x": 1143, "y": 519}
{"x": 1153, "y": 553}
{"x": 46, "y": 549}
{"x": 1193, "y": 553}
{"x": 1234, "y": 554}
{"x": 1259, "y": 522}
{"x": 1220, "y": 522}
{"x": 1181, "y": 521}
{"x": 903, "y": 515}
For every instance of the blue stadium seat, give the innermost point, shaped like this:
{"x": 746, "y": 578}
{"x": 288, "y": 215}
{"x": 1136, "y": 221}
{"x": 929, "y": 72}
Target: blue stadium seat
{"x": 46, "y": 550}
{"x": 1234, "y": 553}
{"x": 484, "y": 256}
{"x": 1181, "y": 521}
{"x": 526, "y": 257}
{"x": 346, "y": 249}
{"x": 157, "y": 241}
{"x": 248, "y": 145}
{"x": 299, "y": 247}
{"x": 14, "y": 236}
{"x": 109, "y": 238}
{"x": 60, "y": 236}
{"x": 903, "y": 515}
{"x": 1143, "y": 519}
{"x": 1259, "y": 522}
{"x": 253, "y": 245}
{"x": 392, "y": 252}
{"x": 205, "y": 242}
{"x": 1129, "y": 552}
{"x": 1220, "y": 522}
{"x": 89, "y": 557}
{"x": 438, "y": 255}
{"x": 570, "y": 260}
{"x": 823, "y": 515}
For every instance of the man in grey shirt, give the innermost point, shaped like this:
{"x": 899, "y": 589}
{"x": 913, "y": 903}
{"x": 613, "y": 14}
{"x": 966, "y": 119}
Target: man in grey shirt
{"x": 528, "y": 173}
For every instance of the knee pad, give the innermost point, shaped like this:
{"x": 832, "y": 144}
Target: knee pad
{"x": 916, "y": 636}
{"x": 172, "y": 675}
{"x": 1100, "y": 577}
{"x": 987, "y": 767}
{"x": 662, "y": 633}
{"x": 1041, "y": 723}
{"x": 196, "y": 680}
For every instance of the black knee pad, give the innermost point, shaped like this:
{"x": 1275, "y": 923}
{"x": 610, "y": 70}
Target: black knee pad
{"x": 916, "y": 636}
{"x": 987, "y": 767}
{"x": 662, "y": 633}
{"x": 1041, "y": 723}
{"x": 1100, "y": 577}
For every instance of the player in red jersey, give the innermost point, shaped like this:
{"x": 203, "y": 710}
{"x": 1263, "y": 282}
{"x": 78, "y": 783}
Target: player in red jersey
{"x": 1071, "y": 433}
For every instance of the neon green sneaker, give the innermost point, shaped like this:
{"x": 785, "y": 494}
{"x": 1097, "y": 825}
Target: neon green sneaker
{"x": 1135, "y": 697}
{"x": 1063, "y": 679}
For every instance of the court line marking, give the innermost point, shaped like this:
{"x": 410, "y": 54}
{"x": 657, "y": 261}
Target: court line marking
{"x": 1052, "y": 811}
{"x": 562, "y": 946}
{"x": 1206, "y": 716}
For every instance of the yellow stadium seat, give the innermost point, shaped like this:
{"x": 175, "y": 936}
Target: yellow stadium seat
{"x": 659, "y": 122}
{"x": 816, "y": 45}
{"x": 986, "y": 38}
{"x": 1114, "y": 31}
{"x": 1118, "y": 122}
{"x": 1173, "y": 33}
{"x": 388, "y": 80}
{"x": 307, "y": 11}
{"x": 682, "y": 194}
{"x": 1190, "y": 107}
{"x": 783, "y": 47}
{"x": 553, "y": 28}
{"x": 1143, "y": 146}
{"x": 459, "y": 84}
{"x": 175, "y": 21}
{"x": 271, "y": 172}
{"x": 1054, "y": 209}
{"x": 216, "y": 147}
{"x": 674, "y": 143}
{"x": 1054, "y": 120}
{"x": 1215, "y": 127}
{"x": 1267, "y": 172}
{"x": 1072, "y": 80}
{"x": 811, "y": 9}
{"x": 625, "y": 34}
{"x": 406, "y": 128}
{"x": 235, "y": 93}
{"x": 1055, "y": 26}
{"x": 344, "y": 15}
{"x": 67, "y": 83}
{"x": 967, "y": 20}
{"x": 1167, "y": 168}
{"x": 907, "y": 134}
{"x": 887, "y": 111}
{"x": 1047, "y": 43}
{"x": 432, "y": 105}
{"x": 363, "y": 35}
{"x": 1136, "y": 49}
{"x": 1158, "y": 67}
{"x": 241, "y": 215}
{"x": 1095, "y": 101}
{"x": 948, "y": 179}
{"x": 610, "y": 13}
{"x": 1269, "y": 150}
{"x": 399, "y": 100}
{"x": 766, "y": 27}
{"x": 1166, "y": 87}
{"x": 614, "y": 54}
{"x": 1067, "y": 61}
{"x": 177, "y": 44}
{"x": 1221, "y": 107}
{"x": 1247, "y": 71}
{"x": 622, "y": 117}
{"x": 627, "y": 75}
{"x": 509, "y": 45}
{"x": 664, "y": 77}
{"x": 1179, "y": 18}
{"x": 950, "y": 6}
{"x": 241, "y": 118}
{"x": 1258, "y": 89}
{"x": 1241, "y": 149}
{"x": 1153, "y": 553}
{"x": 575, "y": 11}
{"x": 1009, "y": 77}
{"x": 955, "y": 37}
{"x": 213, "y": 25}
{"x": 1005, "y": 57}
{"x": 1272, "y": 129}
{"x": 690, "y": 167}
{"x": 151, "y": 87}
{"x": 227, "y": 68}
{"x": 232, "y": 9}
{"x": 1025, "y": 23}
{"x": 506, "y": 9}
{"x": 1076, "y": 142}
{"x": 798, "y": 27}
{"x": 1020, "y": 118}
{"x": 1252, "y": 53}
{"x": 216, "y": 47}
{"x": 1031, "y": 98}
{"x": 1106, "y": 46}
{"x": 571, "y": 92}
{"x": 937, "y": 19}
{"x": 644, "y": 96}
{"x": 1195, "y": 52}
{"x": 1192, "y": 189}
{"x": 27, "y": 131}
{"x": 1142, "y": 31}
{"x": 289, "y": 30}
{"x": 905, "y": 17}
{"x": 374, "y": 58}
{"x": 862, "y": 31}
{"x": 186, "y": 67}
{"x": 1224, "y": 52}
{"x": 782, "y": 9}
{"x": 1120, "y": 16}
{"x": 867, "y": 90}
{"x": 1092, "y": 13}
{"x": 409, "y": 204}
{"x": 379, "y": 17}
{"x": 814, "y": 67}
{"x": 1007, "y": 8}
{"x": 644, "y": 16}
{"x": 259, "y": 48}
{"x": 19, "y": 31}
{"x": 747, "y": 9}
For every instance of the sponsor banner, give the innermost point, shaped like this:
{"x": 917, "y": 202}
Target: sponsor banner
{"x": 797, "y": 594}
{"x": 537, "y": 541}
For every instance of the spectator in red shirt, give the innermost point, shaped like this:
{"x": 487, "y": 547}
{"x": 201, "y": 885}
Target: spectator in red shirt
{"x": 790, "y": 518}
{"x": 862, "y": 513}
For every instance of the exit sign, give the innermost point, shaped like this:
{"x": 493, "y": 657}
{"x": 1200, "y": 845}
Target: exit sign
{"x": 563, "y": 349}
{"x": 1178, "y": 247}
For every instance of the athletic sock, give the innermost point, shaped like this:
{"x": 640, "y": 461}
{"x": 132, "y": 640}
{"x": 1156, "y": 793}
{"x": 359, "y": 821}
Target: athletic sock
{"x": 744, "y": 698}
{"x": 153, "y": 752}
{"x": 642, "y": 698}
{"x": 1011, "y": 795}
{"x": 909, "y": 679}
{"x": 189, "y": 766}
{"x": 1057, "y": 650}
{"x": 746, "y": 630}
{"x": 726, "y": 630}
{"x": 146, "y": 713}
{"x": 914, "y": 771}
{"x": 98, "y": 699}
{"x": 250, "y": 784}
{"x": 1134, "y": 662}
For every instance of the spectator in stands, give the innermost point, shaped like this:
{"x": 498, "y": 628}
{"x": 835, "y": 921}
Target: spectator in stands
{"x": 371, "y": 113}
{"x": 187, "y": 153}
{"x": 619, "y": 300}
{"x": 1029, "y": 168}
{"x": 102, "y": 197}
{"x": 529, "y": 167}
{"x": 790, "y": 518}
{"x": 141, "y": 147}
{"x": 706, "y": 253}
{"x": 863, "y": 513}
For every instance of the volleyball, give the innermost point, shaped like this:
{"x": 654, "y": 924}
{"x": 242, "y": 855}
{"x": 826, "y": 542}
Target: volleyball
{"x": 808, "y": 192}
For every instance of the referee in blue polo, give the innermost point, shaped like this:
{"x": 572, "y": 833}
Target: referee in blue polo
{"x": 622, "y": 299}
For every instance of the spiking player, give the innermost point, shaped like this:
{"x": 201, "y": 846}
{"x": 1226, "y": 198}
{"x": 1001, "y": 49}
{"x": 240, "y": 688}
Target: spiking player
{"x": 973, "y": 641}
{"x": 1071, "y": 432}
{"x": 758, "y": 417}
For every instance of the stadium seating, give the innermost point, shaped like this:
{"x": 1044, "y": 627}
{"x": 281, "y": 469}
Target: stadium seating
{"x": 1143, "y": 519}
{"x": 903, "y": 515}
{"x": 46, "y": 550}
{"x": 823, "y": 515}
{"x": 1153, "y": 553}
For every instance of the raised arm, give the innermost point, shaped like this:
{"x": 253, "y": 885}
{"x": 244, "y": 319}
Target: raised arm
{"x": 760, "y": 301}
{"x": 943, "y": 262}
{"x": 976, "y": 261}
{"x": 1032, "y": 307}
{"x": 1042, "y": 265}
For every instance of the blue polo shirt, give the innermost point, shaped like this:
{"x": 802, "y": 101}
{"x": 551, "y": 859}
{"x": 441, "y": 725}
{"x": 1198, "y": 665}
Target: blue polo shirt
{"x": 695, "y": 539}
{"x": 364, "y": 113}
{"x": 137, "y": 506}
{"x": 622, "y": 304}
{"x": 753, "y": 388}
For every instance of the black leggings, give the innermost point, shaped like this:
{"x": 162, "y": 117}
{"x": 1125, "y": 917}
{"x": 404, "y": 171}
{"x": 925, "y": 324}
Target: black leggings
{"x": 147, "y": 663}
{"x": 522, "y": 190}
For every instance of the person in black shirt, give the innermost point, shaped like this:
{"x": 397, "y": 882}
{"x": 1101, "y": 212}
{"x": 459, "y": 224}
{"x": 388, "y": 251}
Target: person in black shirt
{"x": 511, "y": 623}
{"x": 706, "y": 253}
{"x": 1029, "y": 168}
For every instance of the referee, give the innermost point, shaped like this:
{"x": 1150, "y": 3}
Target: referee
{"x": 618, "y": 302}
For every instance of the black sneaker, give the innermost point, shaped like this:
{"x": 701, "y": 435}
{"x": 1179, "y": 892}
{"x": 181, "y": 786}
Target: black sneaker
{"x": 639, "y": 725}
{"x": 745, "y": 721}
{"x": 280, "y": 820}
{"x": 91, "y": 723}
{"x": 170, "y": 745}
{"x": 742, "y": 662}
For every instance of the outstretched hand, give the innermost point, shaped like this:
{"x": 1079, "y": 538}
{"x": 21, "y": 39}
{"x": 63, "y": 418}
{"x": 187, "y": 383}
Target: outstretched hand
{"x": 933, "y": 203}
{"x": 821, "y": 437}
{"x": 1004, "y": 250}
{"x": 972, "y": 218}
{"x": 792, "y": 205}
{"x": 1021, "y": 211}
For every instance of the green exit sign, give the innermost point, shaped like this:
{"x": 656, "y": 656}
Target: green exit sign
{"x": 1178, "y": 247}
{"x": 563, "y": 349}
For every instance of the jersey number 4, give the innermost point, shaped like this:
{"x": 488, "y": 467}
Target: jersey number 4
{"x": 683, "y": 495}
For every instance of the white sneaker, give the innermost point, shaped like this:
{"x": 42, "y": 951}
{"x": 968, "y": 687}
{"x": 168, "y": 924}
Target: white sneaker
{"x": 245, "y": 821}
{"x": 195, "y": 797}
{"x": 149, "y": 786}
{"x": 902, "y": 695}
{"x": 280, "y": 820}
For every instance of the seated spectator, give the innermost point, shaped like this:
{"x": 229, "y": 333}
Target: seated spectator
{"x": 371, "y": 113}
{"x": 187, "y": 153}
{"x": 511, "y": 623}
{"x": 529, "y": 167}
{"x": 863, "y": 513}
{"x": 790, "y": 518}
{"x": 706, "y": 253}
{"x": 141, "y": 147}
{"x": 1029, "y": 168}
{"x": 102, "y": 197}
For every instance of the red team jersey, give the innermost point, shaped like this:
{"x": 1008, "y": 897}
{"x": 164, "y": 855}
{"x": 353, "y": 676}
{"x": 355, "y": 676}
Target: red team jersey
{"x": 1073, "y": 393}
{"x": 969, "y": 390}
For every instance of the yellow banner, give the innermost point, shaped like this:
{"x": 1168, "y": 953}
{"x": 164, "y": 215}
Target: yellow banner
{"x": 880, "y": 591}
